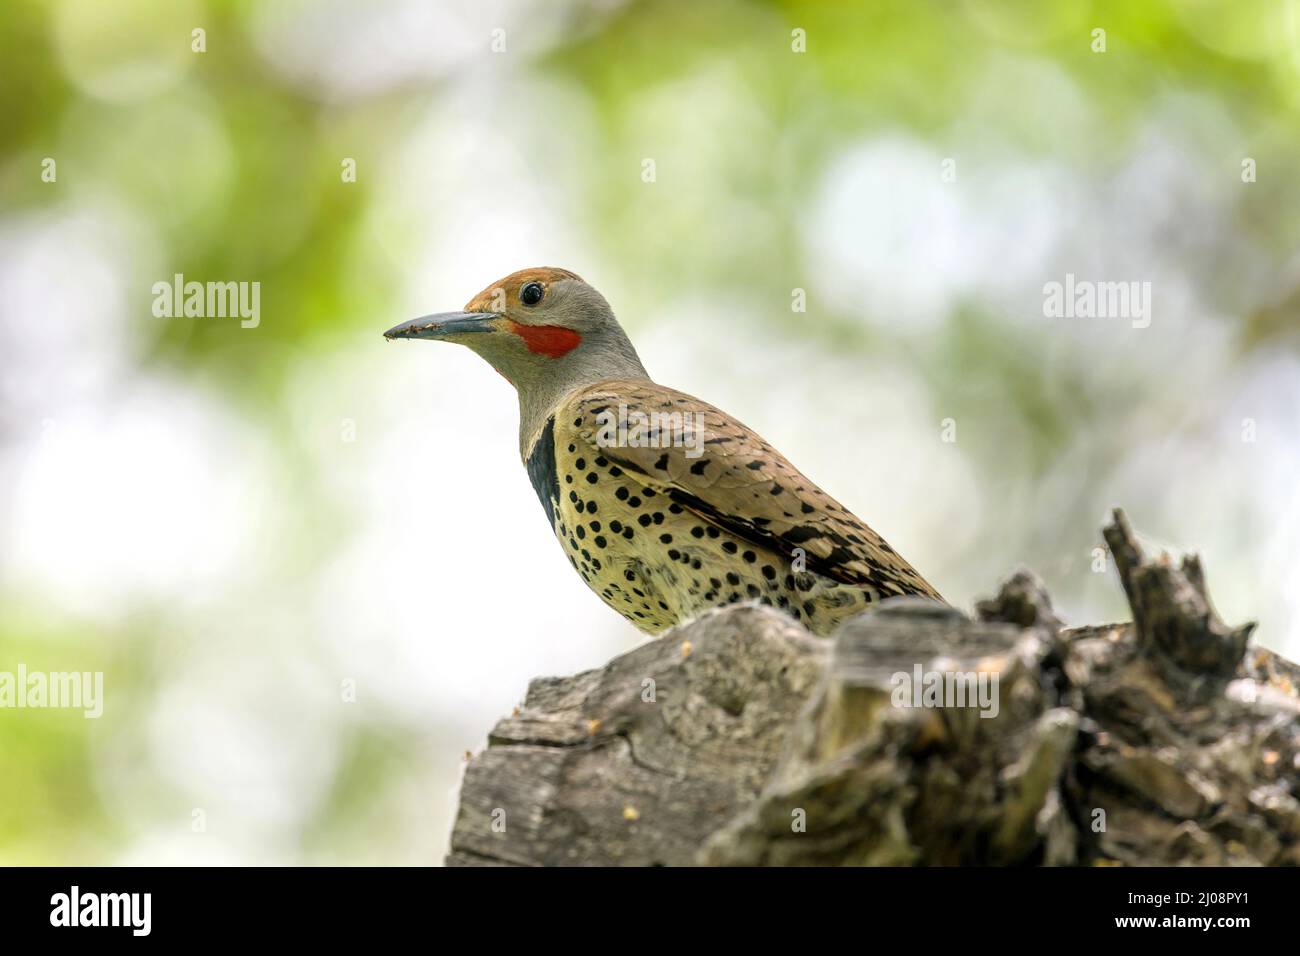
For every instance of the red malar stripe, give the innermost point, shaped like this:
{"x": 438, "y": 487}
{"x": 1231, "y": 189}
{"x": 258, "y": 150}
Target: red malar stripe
{"x": 552, "y": 341}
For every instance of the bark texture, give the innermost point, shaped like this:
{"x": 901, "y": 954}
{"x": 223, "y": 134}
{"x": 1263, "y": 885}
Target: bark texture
{"x": 741, "y": 739}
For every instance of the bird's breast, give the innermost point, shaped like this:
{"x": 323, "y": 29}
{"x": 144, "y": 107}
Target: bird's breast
{"x": 541, "y": 469}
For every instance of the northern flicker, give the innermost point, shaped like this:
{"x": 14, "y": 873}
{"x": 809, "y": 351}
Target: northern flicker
{"x": 664, "y": 504}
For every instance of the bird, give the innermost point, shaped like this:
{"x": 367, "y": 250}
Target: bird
{"x": 665, "y": 505}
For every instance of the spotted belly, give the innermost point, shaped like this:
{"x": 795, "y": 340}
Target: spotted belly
{"x": 657, "y": 563}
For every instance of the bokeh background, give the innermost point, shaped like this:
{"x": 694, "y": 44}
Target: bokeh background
{"x": 235, "y": 525}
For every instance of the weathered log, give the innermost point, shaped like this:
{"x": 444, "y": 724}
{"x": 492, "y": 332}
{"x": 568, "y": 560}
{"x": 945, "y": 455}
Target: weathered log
{"x": 639, "y": 761}
{"x": 741, "y": 739}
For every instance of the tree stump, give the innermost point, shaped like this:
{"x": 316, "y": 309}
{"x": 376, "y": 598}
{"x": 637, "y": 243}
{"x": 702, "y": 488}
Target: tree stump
{"x": 916, "y": 735}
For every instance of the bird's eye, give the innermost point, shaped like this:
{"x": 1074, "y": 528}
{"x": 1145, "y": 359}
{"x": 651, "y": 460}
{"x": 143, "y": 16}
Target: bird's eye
{"x": 531, "y": 294}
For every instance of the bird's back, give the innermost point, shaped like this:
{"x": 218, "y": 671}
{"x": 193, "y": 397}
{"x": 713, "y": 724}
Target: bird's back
{"x": 668, "y": 506}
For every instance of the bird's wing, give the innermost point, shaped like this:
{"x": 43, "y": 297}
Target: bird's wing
{"x": 730, "y": 477}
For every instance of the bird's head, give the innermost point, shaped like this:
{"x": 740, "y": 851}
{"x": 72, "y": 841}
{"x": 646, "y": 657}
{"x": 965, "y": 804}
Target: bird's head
{"x": 543, "y": 329}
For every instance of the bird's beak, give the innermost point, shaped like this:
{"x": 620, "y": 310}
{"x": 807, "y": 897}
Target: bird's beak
{"x": 444, "y": 325}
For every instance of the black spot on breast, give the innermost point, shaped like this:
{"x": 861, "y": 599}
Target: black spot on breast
{"x": 541, "y": 469}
